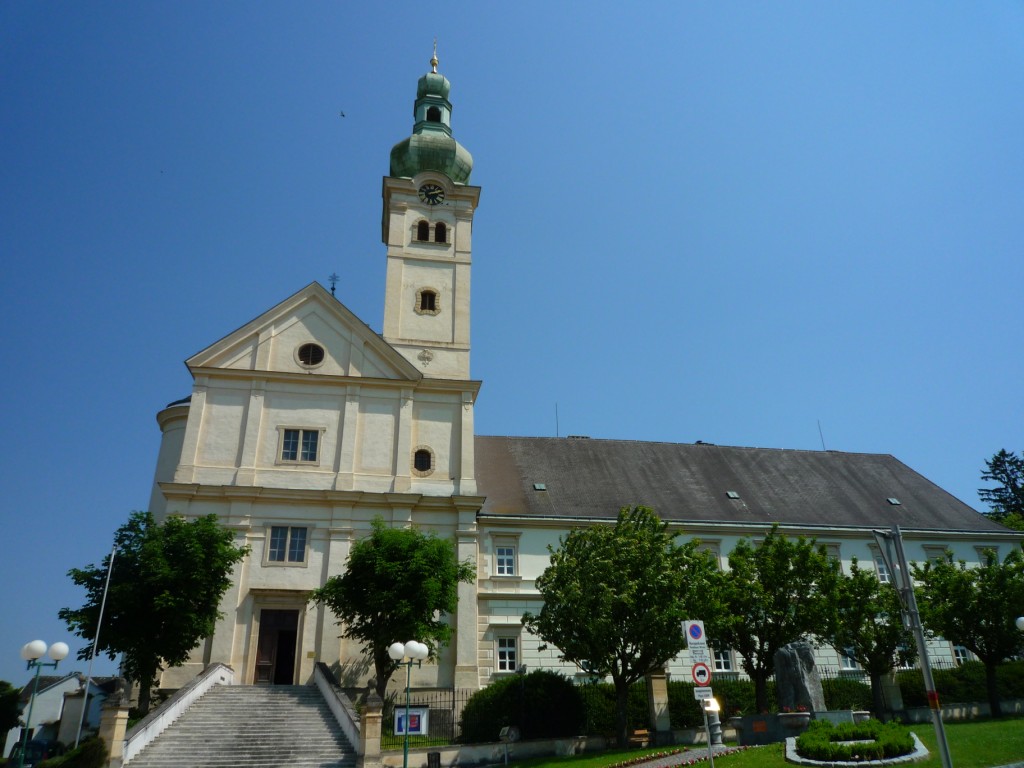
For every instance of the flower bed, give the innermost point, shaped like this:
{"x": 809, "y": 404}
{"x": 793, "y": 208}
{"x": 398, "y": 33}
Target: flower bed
{"x": 873, "y": 740}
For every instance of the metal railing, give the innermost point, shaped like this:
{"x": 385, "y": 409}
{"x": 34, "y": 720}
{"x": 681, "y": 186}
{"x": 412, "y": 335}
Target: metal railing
{"x": 442, "y": 709}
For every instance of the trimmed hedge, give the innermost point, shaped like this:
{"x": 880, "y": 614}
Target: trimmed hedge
{"x": 91, "y": 753}
{"x": 599, "y": 708}
{"x": 846, "y": 693}
{"x": 962, "y": 684}
{"x": 819, "y": 741}
{"x": 543, "y": 704}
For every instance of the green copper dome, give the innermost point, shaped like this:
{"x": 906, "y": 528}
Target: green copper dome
{"x": 433, "y": 84}
{"x": 431, "y": 146}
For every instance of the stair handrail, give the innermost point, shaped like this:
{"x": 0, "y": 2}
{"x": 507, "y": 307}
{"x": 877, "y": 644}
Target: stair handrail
{"x": 340, "y": 704}
{"x": 152, "y": 725}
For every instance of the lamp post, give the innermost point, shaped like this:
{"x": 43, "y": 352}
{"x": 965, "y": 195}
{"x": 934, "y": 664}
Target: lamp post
{"x": 31, "y": 653}
{"x": 413, "y": 652}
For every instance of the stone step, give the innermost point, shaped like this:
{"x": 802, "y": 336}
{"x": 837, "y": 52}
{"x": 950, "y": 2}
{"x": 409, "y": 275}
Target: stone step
{"x": 252, "y": 727}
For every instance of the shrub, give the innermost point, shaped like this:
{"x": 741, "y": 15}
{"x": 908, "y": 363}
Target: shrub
{"x": 845, "y": 693}
{"x": 543, "y": 704}
{"x": 819, "y": 741}
{"x": 599, "y": 708}
{"x": 91, "y": 753}
{"x": 733, "y": 696}
{"x": 962, "y": 684}
{"x": 684, "y": 711}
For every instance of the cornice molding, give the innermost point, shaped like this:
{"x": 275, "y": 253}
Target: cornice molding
{"x": 386, "y": 500}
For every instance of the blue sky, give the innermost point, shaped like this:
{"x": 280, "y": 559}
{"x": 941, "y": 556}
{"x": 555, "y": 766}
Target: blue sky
{"x": 699, "y": 221}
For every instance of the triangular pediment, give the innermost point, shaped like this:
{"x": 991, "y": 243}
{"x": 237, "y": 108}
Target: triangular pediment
{"x": 271, "y": 342}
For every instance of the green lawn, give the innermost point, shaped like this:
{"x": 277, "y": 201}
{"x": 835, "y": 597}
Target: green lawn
{"x": 980, "y": 744}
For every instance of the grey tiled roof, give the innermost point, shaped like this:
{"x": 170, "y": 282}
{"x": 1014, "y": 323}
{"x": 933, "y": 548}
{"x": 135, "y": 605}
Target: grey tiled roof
{"x": 690, "y": 482}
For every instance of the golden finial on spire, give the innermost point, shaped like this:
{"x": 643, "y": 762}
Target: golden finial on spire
{"x": 433, "y": 59}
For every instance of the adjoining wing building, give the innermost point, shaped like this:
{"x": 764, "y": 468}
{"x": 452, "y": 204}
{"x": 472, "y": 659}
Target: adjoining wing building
{"x": 304, "y": 425}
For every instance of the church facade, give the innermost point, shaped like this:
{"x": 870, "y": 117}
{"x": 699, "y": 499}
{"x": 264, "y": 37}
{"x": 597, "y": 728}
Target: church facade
{"x": 304, "y": 425}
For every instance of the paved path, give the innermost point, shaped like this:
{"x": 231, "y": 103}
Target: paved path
{"x": 692, "y": 755}
{"x": 697, "y": 754}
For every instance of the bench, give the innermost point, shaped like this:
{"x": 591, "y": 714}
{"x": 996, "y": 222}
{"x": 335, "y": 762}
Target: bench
{"x": 639, "y": 737}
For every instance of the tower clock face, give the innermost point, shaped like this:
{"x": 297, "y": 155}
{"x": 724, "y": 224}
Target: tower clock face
{"x": 431, "y": 194}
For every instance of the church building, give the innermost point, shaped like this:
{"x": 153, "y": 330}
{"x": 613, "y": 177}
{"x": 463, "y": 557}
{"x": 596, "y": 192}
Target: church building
{"x": 304, "y": 425}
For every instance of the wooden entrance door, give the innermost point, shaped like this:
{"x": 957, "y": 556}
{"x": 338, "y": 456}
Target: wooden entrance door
{"x": 275, "y": 651}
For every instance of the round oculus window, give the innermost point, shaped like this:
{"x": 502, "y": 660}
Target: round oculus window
{"x": 310, "y": 355}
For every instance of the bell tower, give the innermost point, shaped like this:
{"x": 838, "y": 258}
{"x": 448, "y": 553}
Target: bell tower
{"x": 427, "y": 226}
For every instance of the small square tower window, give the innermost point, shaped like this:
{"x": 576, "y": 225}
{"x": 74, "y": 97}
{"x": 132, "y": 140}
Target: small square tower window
{"x": 428, "y": 302}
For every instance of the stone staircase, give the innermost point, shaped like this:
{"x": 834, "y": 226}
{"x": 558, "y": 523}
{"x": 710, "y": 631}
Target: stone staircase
{"x": 243, "y": 726}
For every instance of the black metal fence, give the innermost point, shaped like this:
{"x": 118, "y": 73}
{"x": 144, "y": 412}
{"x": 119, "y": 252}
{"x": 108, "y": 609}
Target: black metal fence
{"x": 434, "y": 715}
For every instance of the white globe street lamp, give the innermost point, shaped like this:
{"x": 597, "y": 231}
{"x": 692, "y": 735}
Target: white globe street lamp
{"x": 1020, "y": 623}
{"x": 413, "y": 652}
{"x": 31, "y": 653}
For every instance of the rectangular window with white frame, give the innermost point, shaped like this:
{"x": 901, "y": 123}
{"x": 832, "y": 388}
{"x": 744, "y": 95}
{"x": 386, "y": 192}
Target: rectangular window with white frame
{"x": 960, "y": 654}
{"x": 846, "y": 660}
{"x": 723, "y": 660}
{"x": 982, "y": 553}
{"x": 714, "y": 548}
{"x": 506, "y": 654}
{"x": 832, "y": 552}
{"x": 935, "y": 553}
{"x": 299, "y": 445}
{"x": 883, "y": 570}
{"x": 286, "y": 545}
{"x": 505, "y": 560}
{"x": 505, "y": 563}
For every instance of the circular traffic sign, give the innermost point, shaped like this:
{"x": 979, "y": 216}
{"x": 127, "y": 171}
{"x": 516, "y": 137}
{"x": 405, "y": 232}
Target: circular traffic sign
{"x": 696, "y": 632}
{"x": 701, "y": 673}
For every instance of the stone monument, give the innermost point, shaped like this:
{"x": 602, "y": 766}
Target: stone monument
{"x": 797, "y": 682}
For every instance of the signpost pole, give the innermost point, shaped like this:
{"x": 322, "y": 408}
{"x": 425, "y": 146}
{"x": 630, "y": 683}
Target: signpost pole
{"x": 707, "y": 730}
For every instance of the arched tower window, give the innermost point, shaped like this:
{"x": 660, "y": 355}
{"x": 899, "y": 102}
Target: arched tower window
{"x": 423, "y": 231}
{"x": 434, "y": 114}
{"x": 440, "y": 233}
{"x": 423, "y": 461}
{"x": 428, "y": 301}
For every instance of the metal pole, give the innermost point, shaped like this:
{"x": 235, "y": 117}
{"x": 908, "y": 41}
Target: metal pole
{"x": 28, "y": 720}
{"x": 707, "y": 730}
{"x": 95, "y": 643}
{"x": 408, "y": 682}
{"x": 914, "y": 620}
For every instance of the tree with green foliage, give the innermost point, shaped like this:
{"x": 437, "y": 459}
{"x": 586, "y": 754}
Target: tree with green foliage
{"x": 975, "y": 607}
{"x": 615, "y": 597}
{"x": 1007, "y": 498}
{"x": 775, "y": 592}
{"x": 866, "y": 624}
{"x": 10, "y": 709}
{"x": 398, "y": 585}
{"x": 165, "y": 590}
